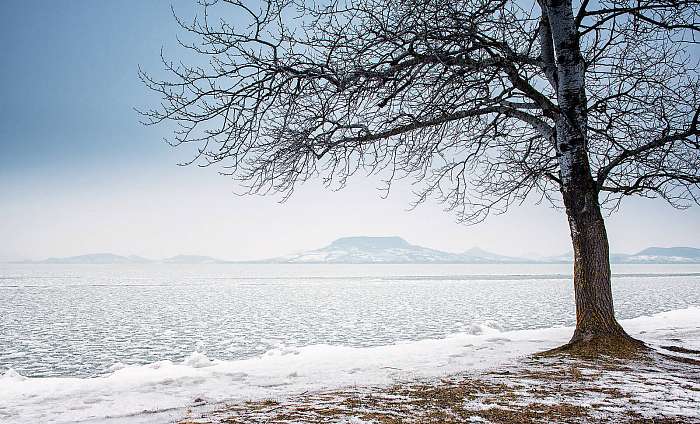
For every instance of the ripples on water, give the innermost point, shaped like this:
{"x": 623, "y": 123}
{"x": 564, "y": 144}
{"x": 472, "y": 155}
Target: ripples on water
{"x": 80, "y": 320}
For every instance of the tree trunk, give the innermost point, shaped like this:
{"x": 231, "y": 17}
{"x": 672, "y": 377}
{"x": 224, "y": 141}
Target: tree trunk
{"x": 596, "y": 326}
{"x": 595, "y": 316}
{"x": 597, "y": 330}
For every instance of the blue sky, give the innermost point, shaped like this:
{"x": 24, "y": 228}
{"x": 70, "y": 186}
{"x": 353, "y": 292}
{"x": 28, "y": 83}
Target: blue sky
{"x": 79, "y": 174}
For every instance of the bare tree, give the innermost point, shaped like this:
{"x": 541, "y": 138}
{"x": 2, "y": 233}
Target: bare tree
{"x": 482, "y": 102}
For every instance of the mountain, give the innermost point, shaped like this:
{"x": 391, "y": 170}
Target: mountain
{"x": 568, "y": 257}
{"x": 192, "y": 260}
{"x": 564, "y": 258}
{"x": 97, "y": 258}
{"x": 666, "y": 255}
{"x": 394, "y": 250}
{"x": 651, "y": 255}
{"x": 483, "y": 255}
{"x": 682, "y": 252}
{"x": 110, "y": 258}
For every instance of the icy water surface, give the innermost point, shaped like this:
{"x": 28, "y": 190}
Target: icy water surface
{"x": 81, "y": 320}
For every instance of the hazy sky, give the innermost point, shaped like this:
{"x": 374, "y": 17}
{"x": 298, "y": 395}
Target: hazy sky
{"x": 79, "y": 174}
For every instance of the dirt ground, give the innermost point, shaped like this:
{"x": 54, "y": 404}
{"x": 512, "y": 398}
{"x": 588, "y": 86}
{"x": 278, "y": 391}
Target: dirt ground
{"x": 660, "y": 387}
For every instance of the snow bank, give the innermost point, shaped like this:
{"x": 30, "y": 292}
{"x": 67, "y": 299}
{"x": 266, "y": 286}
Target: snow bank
{"x": 164, "y": 388}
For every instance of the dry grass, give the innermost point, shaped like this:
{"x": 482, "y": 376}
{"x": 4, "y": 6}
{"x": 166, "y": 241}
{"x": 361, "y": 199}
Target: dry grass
{"x": 562, "y": 389}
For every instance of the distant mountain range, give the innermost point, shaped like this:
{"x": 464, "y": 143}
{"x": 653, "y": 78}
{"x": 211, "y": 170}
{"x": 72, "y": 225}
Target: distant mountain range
{"x": 665, "y": 255}
{"x": 392, "y": 250}
{"x": 356, "y": 250}
{"x": 109, "y": 258}
{"x": 192, "y": 259}
{"x": 650, "y": 255}
{"x": 97, "y": 258}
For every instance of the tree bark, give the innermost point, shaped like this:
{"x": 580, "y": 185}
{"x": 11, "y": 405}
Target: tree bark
{"x": 596, "y": 326}
{"x": 595, "y": 316}
{"x": 597, "y": 331}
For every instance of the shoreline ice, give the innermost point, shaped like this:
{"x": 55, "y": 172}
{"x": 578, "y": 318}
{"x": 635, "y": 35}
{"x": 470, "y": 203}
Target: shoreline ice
{"x": 164, "y": 388}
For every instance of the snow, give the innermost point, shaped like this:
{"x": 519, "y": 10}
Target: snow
{"x": 12, "y": 375}
{"x": 166, "y": 387}
{"x": 389, "y": 250}
{"x": 198, "y": 360}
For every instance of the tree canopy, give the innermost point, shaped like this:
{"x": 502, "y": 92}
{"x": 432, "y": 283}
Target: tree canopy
{"x": 460, "y": 95}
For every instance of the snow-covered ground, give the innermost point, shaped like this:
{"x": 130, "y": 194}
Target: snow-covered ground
{"x": 160, "y": 392}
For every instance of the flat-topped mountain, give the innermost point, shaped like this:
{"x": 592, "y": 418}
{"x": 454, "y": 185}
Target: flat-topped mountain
{"x": 388, "y": 250}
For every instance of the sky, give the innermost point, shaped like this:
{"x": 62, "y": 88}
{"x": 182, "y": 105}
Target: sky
{"x": 79, "y": 174}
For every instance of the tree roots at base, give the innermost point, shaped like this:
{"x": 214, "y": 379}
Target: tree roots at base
{"x": 617, "y": 346}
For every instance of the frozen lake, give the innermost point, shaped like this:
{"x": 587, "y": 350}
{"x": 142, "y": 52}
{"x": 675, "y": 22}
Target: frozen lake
{"x": 88, "y": 320}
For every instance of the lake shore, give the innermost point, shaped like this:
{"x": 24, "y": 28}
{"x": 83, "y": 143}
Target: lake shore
{"x": 481, "y": 374}
{"x": 661, "y": 387}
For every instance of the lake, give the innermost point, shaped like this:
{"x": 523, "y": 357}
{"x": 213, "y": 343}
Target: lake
{"x": 88, "y": 320}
